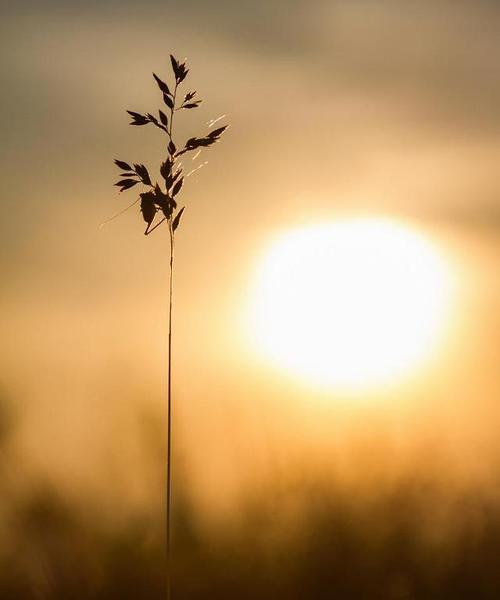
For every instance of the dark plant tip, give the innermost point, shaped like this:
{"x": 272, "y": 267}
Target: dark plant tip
{"x": 189, "y": 96}
{"x": 217, "y": 132}
{"x": 156, "y": 200}
{"x": 122, "y": 165}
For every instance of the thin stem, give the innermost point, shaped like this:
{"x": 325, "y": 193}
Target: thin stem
{"x": 169, "y": 382}
{"x": 148, "y": 231}
{"x": 169, "y": 409}
{"x": 119, "y": 213}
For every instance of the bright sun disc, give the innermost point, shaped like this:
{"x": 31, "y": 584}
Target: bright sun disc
{"x": 349, "y": 304}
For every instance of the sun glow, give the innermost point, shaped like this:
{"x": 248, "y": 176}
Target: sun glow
{"x": 351, "y": 304}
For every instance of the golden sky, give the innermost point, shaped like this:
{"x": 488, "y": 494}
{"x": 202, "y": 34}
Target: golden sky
{"x": 378, "y": 108}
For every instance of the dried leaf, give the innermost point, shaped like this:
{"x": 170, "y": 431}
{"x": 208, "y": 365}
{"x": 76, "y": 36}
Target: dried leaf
{"x": 143, "y": 174}
{"x": 217, "y": 132}
{"x": 122, "y": 165}
{"x": 162, "y": 85}
{"x": 192, "y": 144}
{"x": 166, "y": 168}
{"x": 168, "y": 101}
{"x": 175, "y": 66}
{"x": 180, "y": 70}
{"x": 177, "y": 219}
{"x": 183, "y": 71}
{"x": 192, "y": 104}
{"x": 177, "y": 187}
{"x": 189, "y": 96}
{"x": 171, "y": 178}
{"x": 138, "y": 119}
{"x": 125, "y": 184}
{"x": 171, "y": 148}
{"x": 148, "y": 207}
{"x": 163, "y": 118}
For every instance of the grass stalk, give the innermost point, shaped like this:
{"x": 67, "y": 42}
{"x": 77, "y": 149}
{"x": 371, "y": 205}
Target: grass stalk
{"x": 169, "y": 418}
{"x": 159, "y": 204}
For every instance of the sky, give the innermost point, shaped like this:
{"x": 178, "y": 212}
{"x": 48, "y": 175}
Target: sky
{"x": 336, "y": 108}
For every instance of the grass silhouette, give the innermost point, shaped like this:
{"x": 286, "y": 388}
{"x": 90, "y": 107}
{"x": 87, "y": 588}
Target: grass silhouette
{"x": 158, "y": 205}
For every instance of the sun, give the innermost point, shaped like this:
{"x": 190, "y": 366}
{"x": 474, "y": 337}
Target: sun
{"x": 350, "y": 304}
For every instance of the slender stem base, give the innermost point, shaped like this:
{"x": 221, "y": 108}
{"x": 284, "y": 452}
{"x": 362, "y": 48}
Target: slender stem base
{"x": 169, "y": 379}
{"x": 169, "y": 420}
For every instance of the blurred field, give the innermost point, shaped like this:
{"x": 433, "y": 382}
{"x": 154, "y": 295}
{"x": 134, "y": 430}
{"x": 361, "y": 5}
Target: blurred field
{"x": 295, "y": 535}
